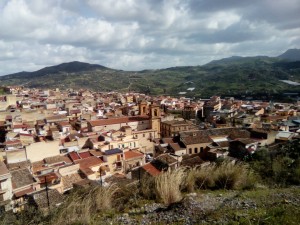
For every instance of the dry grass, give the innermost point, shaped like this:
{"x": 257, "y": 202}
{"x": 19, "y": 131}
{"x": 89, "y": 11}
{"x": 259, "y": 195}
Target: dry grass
{"x": 231, "y": 176}
{"x": 148, "y": 187}
{"x": 167, "y": 186}
{"x": 225, "y": 176}
{"x": 83, "y": 205}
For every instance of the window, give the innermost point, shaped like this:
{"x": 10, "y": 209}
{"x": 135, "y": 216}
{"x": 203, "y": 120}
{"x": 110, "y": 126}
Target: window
{"x": 155, "y": 112}
{"x": 196, "y": 150}
{"x": 201, "y": 149}
{"x": 63, "y": 151}
{"x": 190, "y": 150}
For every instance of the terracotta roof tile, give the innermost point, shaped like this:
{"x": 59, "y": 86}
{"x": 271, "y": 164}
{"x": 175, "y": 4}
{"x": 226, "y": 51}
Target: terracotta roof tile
{"x": 24, "y": 192}
{"x": 74, "y": 156}
{"x": 89, "y": 162}
{"x": 84, "y": 155}
{"x": 149, "y": 168}
{"x": 132, "y": 154}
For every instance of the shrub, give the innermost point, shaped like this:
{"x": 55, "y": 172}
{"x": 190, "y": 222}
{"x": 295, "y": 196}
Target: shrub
{"x": 82, "y": 205}
{"x": 148, "y": 187}
{"x": 168, "y": 186}
{"x": 225, "y": 176}
{"x": 231, "y": 176}
{"x": 199, "y": 178}
{"x": 126, "y": 197}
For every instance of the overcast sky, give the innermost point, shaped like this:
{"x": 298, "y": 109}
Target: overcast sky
{"x": 142, "y": 34}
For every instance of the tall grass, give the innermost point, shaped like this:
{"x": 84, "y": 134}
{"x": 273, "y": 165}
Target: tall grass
{"x": 224, "y": 176}
{"x": 167, "y": 186}
{"x": 199, "y": 178}
{"x": 83, "y": 205}
{"x": 231, "y": 176}
{"x": 147, "y": 187}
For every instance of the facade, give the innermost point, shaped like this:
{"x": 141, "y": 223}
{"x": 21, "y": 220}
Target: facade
{"x": 174, "y": 127}
{"x": 5, "y": 188}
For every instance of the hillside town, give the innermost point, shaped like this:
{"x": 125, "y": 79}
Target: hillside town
{"x": 52, "y": 141}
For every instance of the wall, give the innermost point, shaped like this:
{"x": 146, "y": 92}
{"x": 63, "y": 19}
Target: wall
{"x": 40, "y": 150}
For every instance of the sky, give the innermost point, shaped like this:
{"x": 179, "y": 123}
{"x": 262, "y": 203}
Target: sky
{"x": 142, "y": 34}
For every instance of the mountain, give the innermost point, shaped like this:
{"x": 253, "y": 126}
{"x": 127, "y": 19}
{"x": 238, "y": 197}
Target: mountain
{"x": 291, "y": 55}
{"x": 71, "y": 67}
{"x": 234, "y": 76}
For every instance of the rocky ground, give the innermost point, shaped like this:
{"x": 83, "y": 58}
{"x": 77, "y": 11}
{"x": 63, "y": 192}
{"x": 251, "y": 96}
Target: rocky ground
{"x": 264, "y": 206}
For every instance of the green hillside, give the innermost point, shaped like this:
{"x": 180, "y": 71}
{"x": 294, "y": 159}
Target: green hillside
{"x": 228, "y": 77}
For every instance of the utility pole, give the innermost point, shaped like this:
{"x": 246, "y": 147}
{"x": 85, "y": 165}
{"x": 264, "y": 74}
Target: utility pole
{"x": 47, "y": 194}
{"x": 100, "y": 177}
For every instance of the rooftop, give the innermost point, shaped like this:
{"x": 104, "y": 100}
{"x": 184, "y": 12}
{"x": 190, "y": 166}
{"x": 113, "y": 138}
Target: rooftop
{"x": 113, "y": 151}
{"x": 21, "y": 178}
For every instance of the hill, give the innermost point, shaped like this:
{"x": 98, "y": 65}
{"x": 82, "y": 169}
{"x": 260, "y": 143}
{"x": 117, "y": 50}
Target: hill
{"x": 234, "y": 76}
{"x": 291, "y": 55}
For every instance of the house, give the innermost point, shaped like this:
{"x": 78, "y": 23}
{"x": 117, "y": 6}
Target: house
{"x": 69, "y": 176}
{"x": 284, "y": 136}
{"x": 193, "y": 160}
{"x": 132, "y": 159}
{"x": 114, "y": 159}
{"x": 26, "y": 139}
{"x": 5, "y": 188}
{"x": 195, "y": 142}
{"x": 135, "y": 122}
{"x": 177, "y": 148}
{"x": 215, "y": 153}
{"x": 242, "y": 147}
{"x": 23, "y": 183}
{"x": 45, "y": 199}
{"x": 90, "y": 167}
{"x": 39, "y": 150}
{"x": 146, "y": 170}
{"x": 174, "y": 127}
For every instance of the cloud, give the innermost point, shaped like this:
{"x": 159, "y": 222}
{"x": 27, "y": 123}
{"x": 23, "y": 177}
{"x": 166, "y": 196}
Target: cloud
{"x": 142, "y": 34}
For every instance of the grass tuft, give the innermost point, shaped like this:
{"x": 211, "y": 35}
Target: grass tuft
{"x": 168, "y": 186}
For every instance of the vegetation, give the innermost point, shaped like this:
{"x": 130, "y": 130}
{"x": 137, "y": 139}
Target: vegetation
{"x": 246, "y": 189}
{"x": 227, "y": 175}
{"x": 280, "y": 167}
{"x": 4, "y": 90}
{"x": 236, "y": 76}
{"x": 167, "y": 186}
{"x": 236, "y": 183}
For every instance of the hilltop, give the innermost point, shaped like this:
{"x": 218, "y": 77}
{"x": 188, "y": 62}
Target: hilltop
{"x": 291, "y": 55}
{"x": 233, "y": 76}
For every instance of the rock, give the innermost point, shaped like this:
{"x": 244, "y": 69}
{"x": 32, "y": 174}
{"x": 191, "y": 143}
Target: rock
{"x": 193, "y": 194}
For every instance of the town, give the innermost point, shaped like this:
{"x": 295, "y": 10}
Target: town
{"x": 53, "y": 141}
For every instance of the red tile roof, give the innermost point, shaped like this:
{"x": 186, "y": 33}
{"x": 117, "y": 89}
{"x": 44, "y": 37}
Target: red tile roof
{"x": 48, "y": 177}
{"x": 64, "y": 123}
{"x": 74, "y": 156}
{"x": 24, "y": 192}
{"x": 132, "y": 154}
{"x": 84, "y": 155}
{"x": 89, "y": 162}
{"x": 152, "y": 170}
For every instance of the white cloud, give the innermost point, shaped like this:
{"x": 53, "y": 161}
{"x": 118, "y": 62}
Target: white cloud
{"x": 142, "y": 34}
